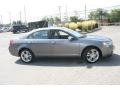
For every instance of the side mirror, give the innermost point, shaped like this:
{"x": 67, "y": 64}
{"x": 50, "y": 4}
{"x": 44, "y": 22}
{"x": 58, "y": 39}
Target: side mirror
{"x": 71, "y": 38}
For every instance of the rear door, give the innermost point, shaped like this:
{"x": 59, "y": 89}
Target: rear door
{"x": 40, "y": 43}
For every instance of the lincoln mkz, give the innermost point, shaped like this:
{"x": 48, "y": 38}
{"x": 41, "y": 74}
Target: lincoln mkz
{"x": 62, "y": 42}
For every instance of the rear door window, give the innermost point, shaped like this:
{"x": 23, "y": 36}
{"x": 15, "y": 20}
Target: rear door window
{"x": 39, "y": 35}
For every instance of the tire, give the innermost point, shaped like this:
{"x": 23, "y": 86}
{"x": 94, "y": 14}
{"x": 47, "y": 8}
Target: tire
{"x": 26, "y": 56}
{"x": 14, "y": 32}
{"x": 91, "y": 55}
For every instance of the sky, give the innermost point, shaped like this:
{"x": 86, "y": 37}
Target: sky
{"x": 11, "y": 10}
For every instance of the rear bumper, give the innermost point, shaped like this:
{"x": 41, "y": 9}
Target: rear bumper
{"x": 13, "y": 50}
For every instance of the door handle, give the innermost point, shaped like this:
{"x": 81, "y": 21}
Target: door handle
{"x": 53, "y": 42}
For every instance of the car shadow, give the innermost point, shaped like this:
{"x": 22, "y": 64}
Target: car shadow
{"x": 114, "y": 60}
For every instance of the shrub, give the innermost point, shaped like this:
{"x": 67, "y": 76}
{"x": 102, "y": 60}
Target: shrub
{"x": 83, "y": 26}
{"x": 73, "y": 25}
{"x": 79, "y": 25}
{"x": 67, "y": 25}
{"x": 96, "y": 25}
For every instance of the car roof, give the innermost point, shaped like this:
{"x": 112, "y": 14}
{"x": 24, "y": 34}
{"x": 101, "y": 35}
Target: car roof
{"x": 48, "y": 28}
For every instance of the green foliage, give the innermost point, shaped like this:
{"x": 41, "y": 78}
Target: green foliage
{"x": 73, "y": 25}
{"x": 56, "y": 20}
{"x": 74, "y": 19}
{"x": 83, "y": 26}
{"x": 99, "y": 14}
{"x": 50, "y": 20}
{"x": 115, "y": 15}
{"x": 17, "y": 23}
{"x": 79, "y": 25}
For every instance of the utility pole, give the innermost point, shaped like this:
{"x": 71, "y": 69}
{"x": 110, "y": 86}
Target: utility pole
{"x": 10, "y": 17}
{"x": 85, "y": 11}
{"x": 25, "y": 14}
{"x": 67, "y": 13}
{"x": 1, "y": 19}
{"x": 59, "y": 7}
{"x": 20, "y": 17}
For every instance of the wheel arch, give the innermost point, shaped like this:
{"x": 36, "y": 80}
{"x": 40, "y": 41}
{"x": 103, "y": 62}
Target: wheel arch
{"x": 91, "y": 46}
{"x": 21, "y": 49}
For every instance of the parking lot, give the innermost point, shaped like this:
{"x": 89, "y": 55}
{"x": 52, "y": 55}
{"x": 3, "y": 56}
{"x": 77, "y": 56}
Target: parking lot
{"x": 60, "y": 70}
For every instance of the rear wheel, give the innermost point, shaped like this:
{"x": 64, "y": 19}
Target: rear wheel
{"x": 26, "y": 56}
{"x": 14, "y": 32}
{"x": 91, "y": 55}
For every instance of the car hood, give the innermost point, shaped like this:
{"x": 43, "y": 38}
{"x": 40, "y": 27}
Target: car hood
{"x": 97, "y": 38}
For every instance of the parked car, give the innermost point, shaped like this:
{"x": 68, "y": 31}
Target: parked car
{"x": 1, "y": 31}
{"x": 5, "y": 29}
{"x": 20, "y": 28}
{"x": 56, "y": 41}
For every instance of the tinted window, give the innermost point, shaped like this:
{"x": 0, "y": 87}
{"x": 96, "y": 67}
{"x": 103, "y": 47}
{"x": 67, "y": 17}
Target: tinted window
{"x": 39, "y": 35}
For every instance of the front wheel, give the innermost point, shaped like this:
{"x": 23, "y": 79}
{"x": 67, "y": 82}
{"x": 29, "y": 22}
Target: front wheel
{"x": 91, "y": 55}
{"x": 26, "y": 56}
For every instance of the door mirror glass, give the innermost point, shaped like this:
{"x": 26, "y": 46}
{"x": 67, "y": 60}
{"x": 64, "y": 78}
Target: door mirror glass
{"x": 70, "y": 38}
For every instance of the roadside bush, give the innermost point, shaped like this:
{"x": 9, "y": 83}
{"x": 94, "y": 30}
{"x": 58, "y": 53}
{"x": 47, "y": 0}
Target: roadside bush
{"x": 73, "y": 25}
{"x": 79, "y": 25}
{"x": 67, "y": 25}
{"x": 96, "y": 25}
{"x": 83, "y": 26}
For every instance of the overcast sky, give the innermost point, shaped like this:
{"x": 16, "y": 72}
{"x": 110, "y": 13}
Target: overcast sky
{"x": 37, "y": 8}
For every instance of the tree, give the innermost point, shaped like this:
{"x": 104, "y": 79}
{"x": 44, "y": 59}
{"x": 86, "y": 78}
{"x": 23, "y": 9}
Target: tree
{"x": 92, "y": 15}
{"x": 74, "y": 19}
{"x": 115, "y": 15}
{"x": 99, "y": 14}
{"x": 50, "y": 20}
{"x": 17, "y": 23}
{"x": 56, "y": 20}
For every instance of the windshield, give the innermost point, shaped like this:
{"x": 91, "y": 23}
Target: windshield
{"x": 75, "y": 33}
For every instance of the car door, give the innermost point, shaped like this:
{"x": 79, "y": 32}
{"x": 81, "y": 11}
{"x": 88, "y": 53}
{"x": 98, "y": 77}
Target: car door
{"x": 61, "y": 46}
{"x": 40, "y": 43}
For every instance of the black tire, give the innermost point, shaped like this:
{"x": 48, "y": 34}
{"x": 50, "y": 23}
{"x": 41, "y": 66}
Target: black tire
{"x": 14, "y": 32}
{"x": 87, "y": 56}
{"x": 29, "y": 58}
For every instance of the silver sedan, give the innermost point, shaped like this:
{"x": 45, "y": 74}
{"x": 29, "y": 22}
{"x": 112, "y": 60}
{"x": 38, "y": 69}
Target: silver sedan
{"x": 58, "y": 41}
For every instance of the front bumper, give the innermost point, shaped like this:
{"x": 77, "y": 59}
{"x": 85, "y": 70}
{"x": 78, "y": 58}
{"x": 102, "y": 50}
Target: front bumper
{"x": 107, "y": 51}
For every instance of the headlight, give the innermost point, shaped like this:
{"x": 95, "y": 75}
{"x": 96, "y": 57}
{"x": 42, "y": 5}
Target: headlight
{"x": 107, "y": 43}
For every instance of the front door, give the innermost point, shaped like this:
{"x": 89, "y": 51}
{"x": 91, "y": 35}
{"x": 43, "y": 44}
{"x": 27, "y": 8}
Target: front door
{"x": 61, "y": 46}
